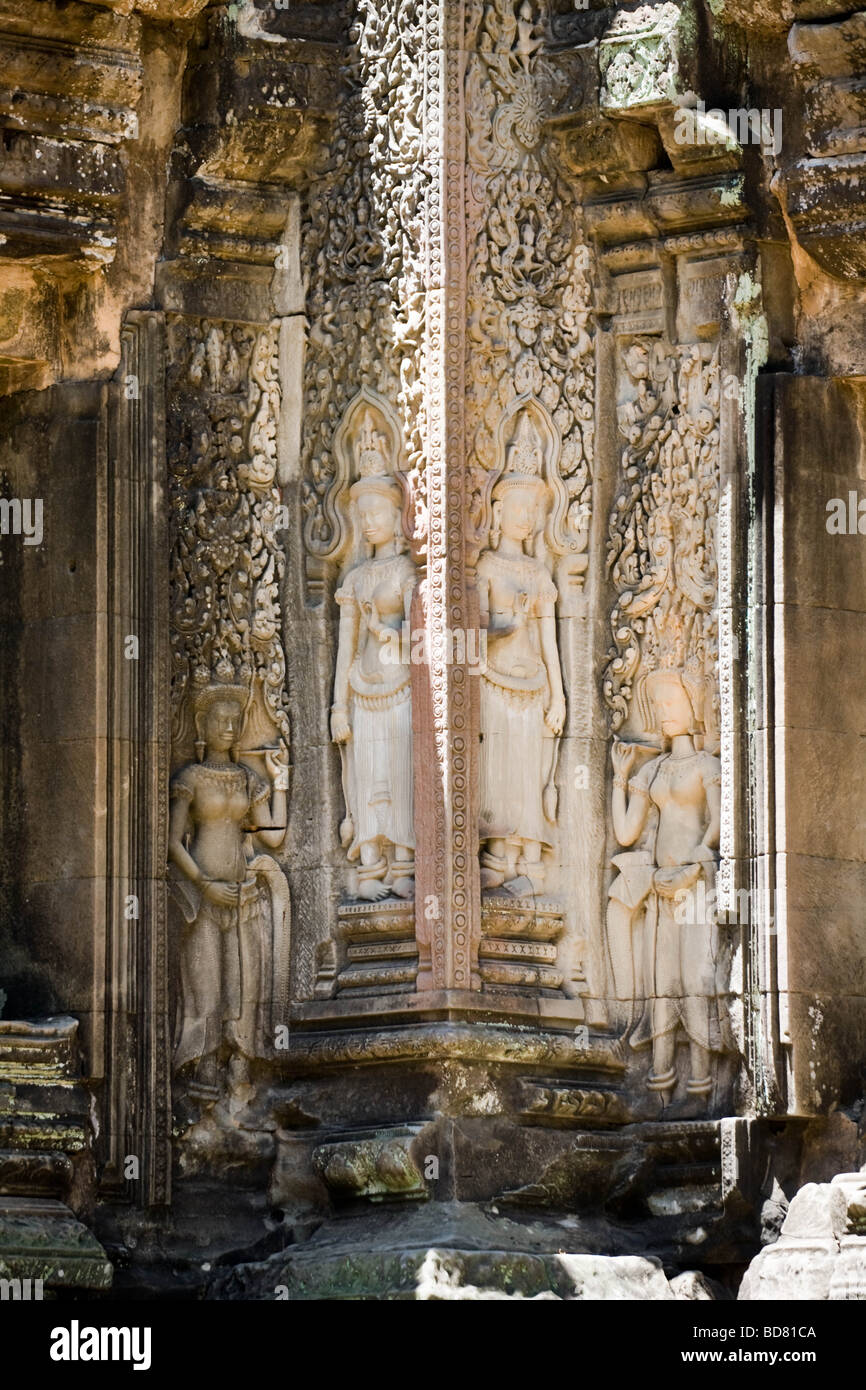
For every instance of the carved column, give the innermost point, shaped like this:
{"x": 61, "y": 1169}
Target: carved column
{"x": 677, "y": 297}
{"x": 231, "y": 290}
{"x": 447, "y": 290}
{"x": 137, "y": 948}
{"x": 450, "y": 362}
{"x": 529, "y": 413}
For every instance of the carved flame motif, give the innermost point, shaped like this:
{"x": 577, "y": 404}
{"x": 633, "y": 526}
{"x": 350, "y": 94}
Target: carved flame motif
{"x": 662, "y": 539}
{"x": 525, "y": 453}
{"x": 372, "y": 449}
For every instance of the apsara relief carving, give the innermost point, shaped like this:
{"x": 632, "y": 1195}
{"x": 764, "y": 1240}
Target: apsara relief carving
{"x": 522, "y": 699}
{"x": 371, "y": 716}
{"x": 666, "y": 948}
{"x": 235, "y": 901}
{"x": 230, "y": 730}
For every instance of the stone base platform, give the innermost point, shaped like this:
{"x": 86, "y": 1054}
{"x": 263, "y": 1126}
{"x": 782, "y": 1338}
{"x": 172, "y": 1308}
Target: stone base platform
{"x": 41, "y": 1241}
{"x": 459, "y": 1252}
{"x": 467, "y": 1207}
{"x": 45, "y": 1162}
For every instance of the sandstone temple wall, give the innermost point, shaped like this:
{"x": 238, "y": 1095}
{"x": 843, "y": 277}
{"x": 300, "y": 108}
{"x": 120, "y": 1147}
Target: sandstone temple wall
{"x": 433, "y": 499}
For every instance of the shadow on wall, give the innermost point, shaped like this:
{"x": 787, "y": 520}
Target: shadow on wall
{"x": 25, "y": 993}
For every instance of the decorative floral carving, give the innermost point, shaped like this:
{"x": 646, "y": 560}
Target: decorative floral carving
{"x": 528, "y": 295}
{"x": 560, "y": 1105}
{"x": 637, "y": 56}
{"x": 234, "y": 949}
{"x": 434, "y": 1042}
{"x": 226, "y": 563}
{"x": 661, "y": 554}
{"x": 364, "y": 249}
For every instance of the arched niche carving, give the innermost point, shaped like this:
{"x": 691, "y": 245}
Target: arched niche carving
{"x": 565, "y": 531}
{"x": 371, "y": 716}
{"x": 329, "y": 534}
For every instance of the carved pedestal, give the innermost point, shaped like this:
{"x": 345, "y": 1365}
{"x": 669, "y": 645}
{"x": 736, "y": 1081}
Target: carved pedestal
{"x": 378, "y": 947}
{"x": 377, "y": 1165}
{"x": 518, "y": 951}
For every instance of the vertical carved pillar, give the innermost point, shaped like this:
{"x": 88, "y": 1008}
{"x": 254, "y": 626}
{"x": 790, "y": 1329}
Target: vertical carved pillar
{"x": 668, "y": 952}
{"x": 448, "y": 289}
{"x": 137, "y": 968}
{"x": 675, "y": 279}
{"x": 230, "y": 729}
{"x": 529, "y": 415}
{"x": 230, "y": 284}
{"x": 455, "y": 931}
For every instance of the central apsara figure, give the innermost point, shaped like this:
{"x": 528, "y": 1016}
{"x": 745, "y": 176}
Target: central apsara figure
{"x": 522, "y": 699}
{"x": 371, "y": 717}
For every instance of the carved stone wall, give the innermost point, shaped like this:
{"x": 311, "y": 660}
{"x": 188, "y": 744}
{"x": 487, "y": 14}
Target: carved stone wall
{"x": 227, "y": 565}
{"x": 431, "y": 710}
{"x": 529, "y": 333}
{"x": 664, "y": 937}
{"x": 365, "y": 248}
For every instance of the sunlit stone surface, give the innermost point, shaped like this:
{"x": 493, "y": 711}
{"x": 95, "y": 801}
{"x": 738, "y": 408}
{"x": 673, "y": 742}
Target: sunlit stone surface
{"x": 432, "y": 604}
